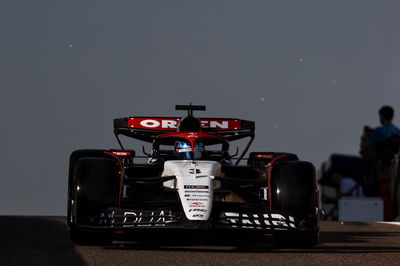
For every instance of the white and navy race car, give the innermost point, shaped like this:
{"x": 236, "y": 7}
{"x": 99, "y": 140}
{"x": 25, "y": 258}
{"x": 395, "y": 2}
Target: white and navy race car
{"x": 190, "y": 184}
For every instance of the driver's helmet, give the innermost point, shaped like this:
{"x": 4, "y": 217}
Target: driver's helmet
{"x": 186, "y": 152}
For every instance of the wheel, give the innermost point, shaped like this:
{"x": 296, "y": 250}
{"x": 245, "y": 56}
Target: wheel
{"x": 94, "y": 187}
{"x": 294, "y": 190}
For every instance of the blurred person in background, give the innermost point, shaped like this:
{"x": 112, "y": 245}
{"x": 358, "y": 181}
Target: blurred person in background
{"x": 378, "y": 148}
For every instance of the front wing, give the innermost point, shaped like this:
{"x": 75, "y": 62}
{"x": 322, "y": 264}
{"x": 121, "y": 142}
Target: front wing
{"x": 233, "y": 219}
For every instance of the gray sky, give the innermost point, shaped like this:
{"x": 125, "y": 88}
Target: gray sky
{"x": 311, "y": 74}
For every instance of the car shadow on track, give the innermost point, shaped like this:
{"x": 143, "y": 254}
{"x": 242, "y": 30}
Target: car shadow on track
{"x": 330, "y": 242}
{"x": 36, "y": 241}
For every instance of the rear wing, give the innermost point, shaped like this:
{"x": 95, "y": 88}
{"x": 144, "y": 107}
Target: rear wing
{"x": 147, "y": 128}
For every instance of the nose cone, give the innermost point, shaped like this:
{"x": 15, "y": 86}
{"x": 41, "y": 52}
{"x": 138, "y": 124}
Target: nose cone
{"x": 194, "y": 182}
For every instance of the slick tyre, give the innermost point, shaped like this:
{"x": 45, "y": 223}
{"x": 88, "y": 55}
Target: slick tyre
{"x": 95, "y": 187}
{"x": 294, "y": 190}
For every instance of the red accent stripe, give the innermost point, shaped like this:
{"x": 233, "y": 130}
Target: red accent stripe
{"x": 122, "y": 153}
{"x": 269, "y": 178}
{"x": 120, "y": 177}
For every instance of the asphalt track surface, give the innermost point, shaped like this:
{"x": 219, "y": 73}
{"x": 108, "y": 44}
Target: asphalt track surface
{"x": 45, "y": 241}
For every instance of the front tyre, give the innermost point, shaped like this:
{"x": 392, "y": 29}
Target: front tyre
{"x": 294, "y": 190}
{"x": 94, "y": 187}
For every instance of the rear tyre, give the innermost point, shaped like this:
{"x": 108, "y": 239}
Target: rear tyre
{"x": 95, "y": 186}
{"x": 294, "y": 190}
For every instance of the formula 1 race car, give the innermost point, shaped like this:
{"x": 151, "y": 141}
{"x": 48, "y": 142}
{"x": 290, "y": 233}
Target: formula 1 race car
{"x": 190, "y": 184}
